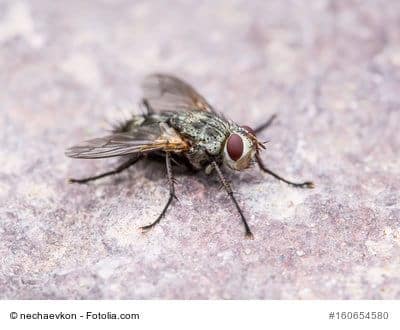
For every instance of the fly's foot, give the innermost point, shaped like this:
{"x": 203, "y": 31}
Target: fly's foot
{"x": 145, "y": 229}
{"x": 70, "y": 180}
{"x": 307, "y": 184}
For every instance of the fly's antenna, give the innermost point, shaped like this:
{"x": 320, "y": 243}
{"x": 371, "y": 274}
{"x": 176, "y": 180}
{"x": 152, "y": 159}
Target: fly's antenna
{"x": 261, "y": 144}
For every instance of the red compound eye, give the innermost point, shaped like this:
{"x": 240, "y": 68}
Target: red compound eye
{"x": 249, "y": 129}
{"x": 235, "y": 147}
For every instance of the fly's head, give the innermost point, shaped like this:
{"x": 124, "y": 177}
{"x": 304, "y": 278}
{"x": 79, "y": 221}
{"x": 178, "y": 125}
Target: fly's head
{"x": 240, "y": 148}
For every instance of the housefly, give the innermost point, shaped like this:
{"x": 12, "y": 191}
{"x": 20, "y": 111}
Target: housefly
{"x": 181, "y": 128}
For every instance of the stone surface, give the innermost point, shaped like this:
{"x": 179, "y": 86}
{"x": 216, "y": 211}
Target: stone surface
{"x": 329, "y": 69}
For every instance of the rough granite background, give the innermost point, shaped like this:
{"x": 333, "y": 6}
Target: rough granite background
{"x": 329, "y": 69}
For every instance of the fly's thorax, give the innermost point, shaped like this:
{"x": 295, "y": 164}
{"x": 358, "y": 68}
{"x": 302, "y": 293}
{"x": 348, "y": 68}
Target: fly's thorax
{"x": 205, "y": 131}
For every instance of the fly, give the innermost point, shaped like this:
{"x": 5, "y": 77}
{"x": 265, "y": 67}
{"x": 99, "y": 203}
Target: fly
{"x": 180, "y": 128}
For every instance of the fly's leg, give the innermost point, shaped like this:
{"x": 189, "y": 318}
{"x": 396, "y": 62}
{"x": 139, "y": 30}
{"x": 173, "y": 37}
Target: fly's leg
{"x": 183, "y": 161}
{"x": 228, "y": 189}
{"x": 306, "y": 184}
{"x": 119, "y": 169}
{"x": 265, "y": 125}
{"x": 171, "y": 182}
{"x": 175, "y": 159}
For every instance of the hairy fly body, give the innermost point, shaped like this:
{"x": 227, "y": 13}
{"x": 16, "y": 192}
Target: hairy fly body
{"x": 180, "y": 128}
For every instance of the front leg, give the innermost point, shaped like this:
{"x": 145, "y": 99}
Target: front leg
{"x": 228, "y": 189}
{"x": 306, "y": 184}
{"x": 265, "y": 125}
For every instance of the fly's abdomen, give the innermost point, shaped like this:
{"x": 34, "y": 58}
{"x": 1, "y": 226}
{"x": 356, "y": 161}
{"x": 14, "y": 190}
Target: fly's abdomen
{"x": 140, "y": 122}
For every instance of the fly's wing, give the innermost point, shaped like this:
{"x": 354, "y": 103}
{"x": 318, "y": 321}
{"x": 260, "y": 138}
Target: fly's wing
{"x": 168, "y": 93}
{"x": 138, "y": 142}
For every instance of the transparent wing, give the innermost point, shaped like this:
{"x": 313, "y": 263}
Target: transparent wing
{"x": 108, "y": 146}
{"x": 168, "y": 93}
{"x": 119, "y": 144}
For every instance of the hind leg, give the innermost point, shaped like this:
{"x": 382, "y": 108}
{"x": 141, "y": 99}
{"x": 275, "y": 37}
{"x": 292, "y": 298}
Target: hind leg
{"x": 119, "y": 169}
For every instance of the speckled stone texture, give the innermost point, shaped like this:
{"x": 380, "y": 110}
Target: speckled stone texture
{"x": 329, "y": 69}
